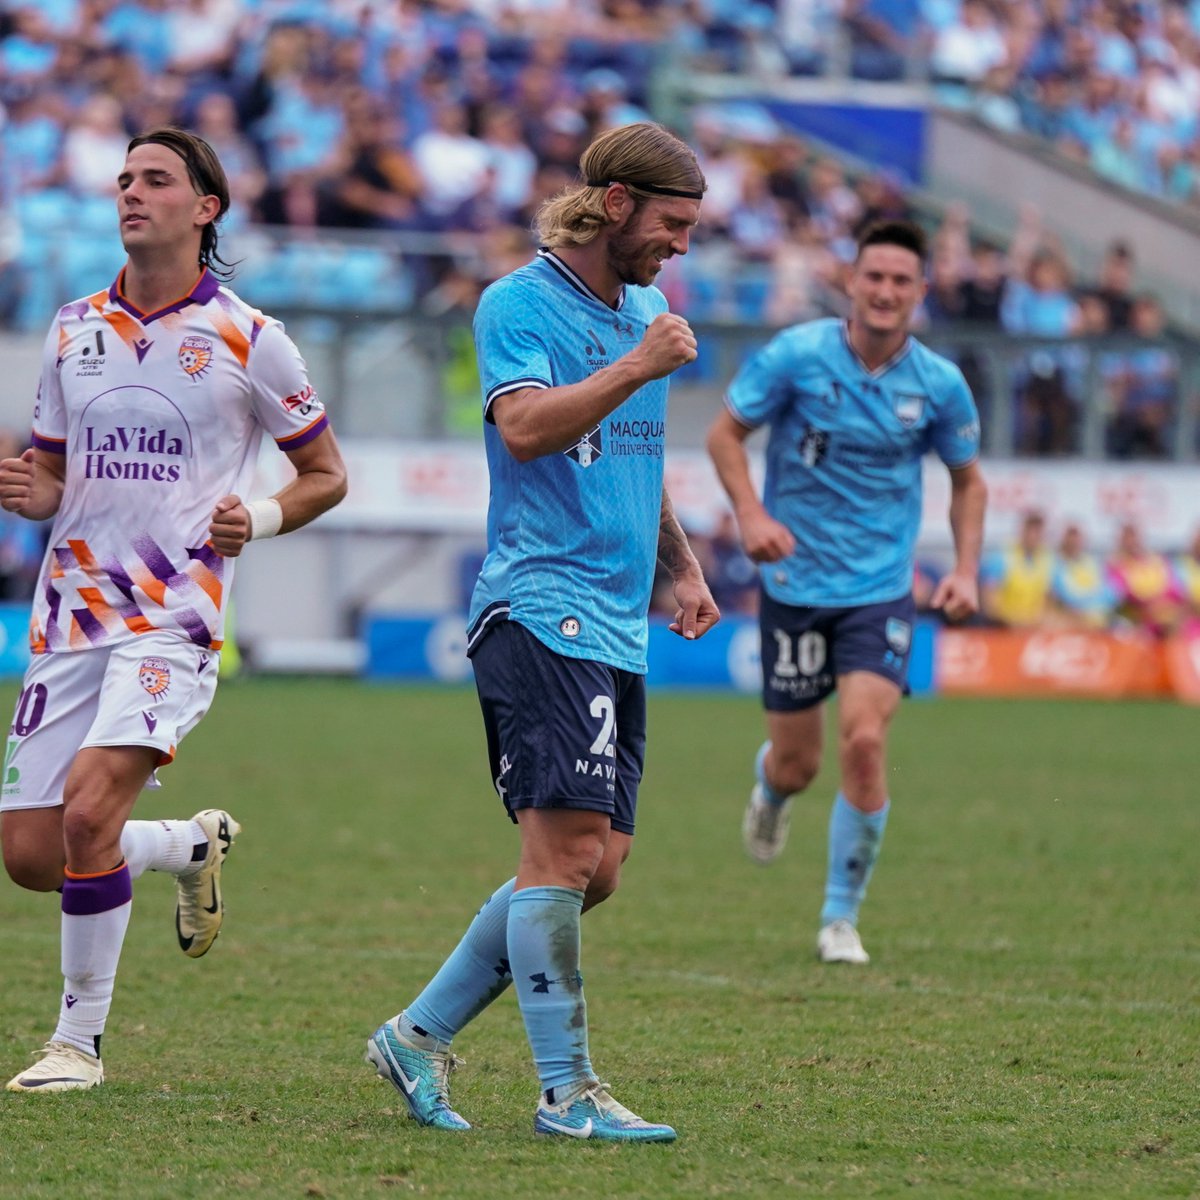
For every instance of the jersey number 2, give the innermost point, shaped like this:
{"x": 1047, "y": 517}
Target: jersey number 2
{"x": 602, "y": 708}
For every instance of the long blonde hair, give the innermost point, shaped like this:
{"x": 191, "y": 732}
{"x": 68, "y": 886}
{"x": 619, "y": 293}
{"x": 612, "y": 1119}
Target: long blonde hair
{"x": 648, "y": 159}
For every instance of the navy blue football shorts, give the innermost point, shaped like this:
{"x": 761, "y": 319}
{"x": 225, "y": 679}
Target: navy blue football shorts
{"x": 561, "y": 732}
{"x": 804, "y": 650}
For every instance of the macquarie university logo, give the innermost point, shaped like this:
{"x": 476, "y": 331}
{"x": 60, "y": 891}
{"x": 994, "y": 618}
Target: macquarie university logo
{"x": 589, "y": 448}
{"x": 195, "y": 356}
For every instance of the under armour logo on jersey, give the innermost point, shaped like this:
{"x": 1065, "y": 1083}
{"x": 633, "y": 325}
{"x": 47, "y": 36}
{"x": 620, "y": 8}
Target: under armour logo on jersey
{"x": 541, "y": 983}
{"x": 814, "y": 445}
{"x": 587, "y": 449}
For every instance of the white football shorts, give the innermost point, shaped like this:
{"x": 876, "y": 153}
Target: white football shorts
{"x": 151, "y": 690}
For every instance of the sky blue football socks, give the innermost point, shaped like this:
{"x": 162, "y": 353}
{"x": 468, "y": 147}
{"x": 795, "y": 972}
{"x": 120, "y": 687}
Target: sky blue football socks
{"x": 854, "y": 840}
{"x": 770, "y": 795}
{"x": 472, "y": 977}
{"x": 543, "y": 947}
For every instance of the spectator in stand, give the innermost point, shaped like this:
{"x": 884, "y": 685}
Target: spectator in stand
{"x": 1115, "y": 283}
{"x": 785, "y": 160}
{"x": 377, "y": 185}
{"x": 969, "y": 46}
{"x": 724, "y": 168}
{"x": 513, "y": 162}
{"x": 1147, "y": 592}
{"x": 1038, "y": 302}
{"x": 944, "y": 297}
{"x": 756, "y": 223}
{"x": 94, "y": 147}
{"x": 1093, "y": 313}
{"x": 300, "y": 130}
{"x": 983, "y": 289}
{"x": 1143, "y": 387}
{"x": 454, "y": 167}
{"x": 836, "y": 209}
{"x": 881, "y": 198}
{"x": 803, "y": 272}
{"x": 1046, "y": 108}
{"x": 1187, "y": 576}
{"x": 202, "y": 38}
{"x": 217, "y": 123}
{"x": 31, "y": 140}
{"x": 884, "y": 35}
{"x": 1080, "y": 595}
{"x": 1016, "y": 580}
{"x": 605, "y": 102}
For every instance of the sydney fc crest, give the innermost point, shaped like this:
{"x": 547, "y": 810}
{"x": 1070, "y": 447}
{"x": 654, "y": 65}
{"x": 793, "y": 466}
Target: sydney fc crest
{"x": 909, "y": 406}
{"x": 587, "y": 449}
{"x": 898, "y": 634}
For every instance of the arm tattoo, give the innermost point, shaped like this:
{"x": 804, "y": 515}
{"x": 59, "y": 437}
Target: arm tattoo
{"x": 673, "y": 550}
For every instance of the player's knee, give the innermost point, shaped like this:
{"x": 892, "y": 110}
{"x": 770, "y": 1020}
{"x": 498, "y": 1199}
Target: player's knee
{"x": 794, "y": 772}
{"x": 862, "y": 751}
{"x": 602, "y": 885}
{"x": 85, "y": 823}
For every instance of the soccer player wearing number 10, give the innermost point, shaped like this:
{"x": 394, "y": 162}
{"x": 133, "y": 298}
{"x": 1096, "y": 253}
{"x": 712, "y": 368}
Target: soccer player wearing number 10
{"x": 575, "y": 350}
{"x": 851, "y": 409}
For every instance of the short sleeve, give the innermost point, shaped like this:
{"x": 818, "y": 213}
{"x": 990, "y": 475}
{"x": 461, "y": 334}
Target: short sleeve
{"x": 955, "y": 434}
{"x": 49, "y": 411}
{"x": 763, "y": 383}
{"x": 509, "y": 343}
{"x": 284, "y": 400}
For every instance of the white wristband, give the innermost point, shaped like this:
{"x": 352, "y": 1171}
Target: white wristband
{"x": 266, "y": 518}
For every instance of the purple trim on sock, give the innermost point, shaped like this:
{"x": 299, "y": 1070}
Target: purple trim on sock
{"x": 97, "y": 893}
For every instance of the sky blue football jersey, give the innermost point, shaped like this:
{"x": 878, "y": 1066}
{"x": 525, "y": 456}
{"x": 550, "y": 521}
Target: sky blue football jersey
{"x": 843, "y": 469}
{"x": 573, "y": 535}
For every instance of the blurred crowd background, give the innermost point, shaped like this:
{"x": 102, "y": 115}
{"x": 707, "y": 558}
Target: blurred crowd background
{"x": 423, "y": 134}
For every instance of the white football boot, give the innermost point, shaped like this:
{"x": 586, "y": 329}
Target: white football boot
{"x": 765, "y": 826}
{"x": 61, "y": 1068}
{"x": 839, "y": 942}
{"x": 199, "y": 908}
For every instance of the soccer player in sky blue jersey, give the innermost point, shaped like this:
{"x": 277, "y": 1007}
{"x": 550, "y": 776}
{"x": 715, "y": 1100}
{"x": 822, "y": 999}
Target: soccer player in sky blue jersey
{"x": 574, "y": 353}
{"x": 851, "y": 408}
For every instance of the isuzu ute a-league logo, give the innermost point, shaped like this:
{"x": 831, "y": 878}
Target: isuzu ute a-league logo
{"x": 587, "y": 449}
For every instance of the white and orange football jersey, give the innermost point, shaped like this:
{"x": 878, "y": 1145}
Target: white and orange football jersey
{"x": 159, "y": 416}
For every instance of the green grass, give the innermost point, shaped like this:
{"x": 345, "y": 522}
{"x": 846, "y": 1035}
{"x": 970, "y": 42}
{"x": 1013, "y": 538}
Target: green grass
{"x": 1027, "y": 1026}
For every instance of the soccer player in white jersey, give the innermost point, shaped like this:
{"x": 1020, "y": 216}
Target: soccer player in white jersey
{"x": 575, "y": 351}
{"x": 153, "y": 400}
{"x": 851, "y": 408}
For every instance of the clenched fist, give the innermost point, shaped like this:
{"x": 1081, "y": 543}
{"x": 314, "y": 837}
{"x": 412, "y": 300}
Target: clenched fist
{"x": 668, "y": 344}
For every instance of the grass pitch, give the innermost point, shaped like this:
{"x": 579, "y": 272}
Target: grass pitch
{"x": 1027, "y": 1026}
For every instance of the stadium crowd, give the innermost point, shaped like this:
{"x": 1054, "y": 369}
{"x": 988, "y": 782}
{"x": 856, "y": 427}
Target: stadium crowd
{"x": 1034, "y": 583}
{"x": 1042, "y": 579}
{"x": 446, "y": 122}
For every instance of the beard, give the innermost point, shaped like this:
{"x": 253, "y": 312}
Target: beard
{"x": 630, "y": 256}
